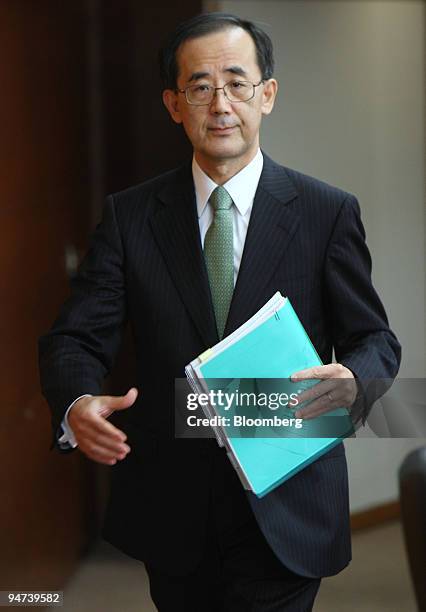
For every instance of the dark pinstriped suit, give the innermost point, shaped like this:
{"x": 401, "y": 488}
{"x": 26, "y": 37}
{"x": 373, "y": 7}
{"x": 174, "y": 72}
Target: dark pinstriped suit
{"x": 305, "y": 239}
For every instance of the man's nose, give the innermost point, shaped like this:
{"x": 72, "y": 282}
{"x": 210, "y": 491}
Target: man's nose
{"x": 220, "y": 103}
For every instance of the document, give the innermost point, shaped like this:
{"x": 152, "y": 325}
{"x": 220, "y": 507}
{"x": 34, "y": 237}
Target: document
{"x": 251, "y": 399}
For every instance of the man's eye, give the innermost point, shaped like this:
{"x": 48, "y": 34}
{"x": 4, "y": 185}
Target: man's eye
{"x": 238, "y": 85}
{"x": 202, "y": 88}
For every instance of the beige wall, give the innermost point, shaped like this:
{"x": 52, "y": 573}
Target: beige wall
{"x": 351, "y": 111}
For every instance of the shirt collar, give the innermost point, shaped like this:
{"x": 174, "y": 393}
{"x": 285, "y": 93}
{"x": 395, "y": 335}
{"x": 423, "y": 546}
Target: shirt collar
{"x": 241, "y": 187}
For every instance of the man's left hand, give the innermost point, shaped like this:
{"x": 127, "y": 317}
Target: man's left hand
{"x": 338, "y": 388}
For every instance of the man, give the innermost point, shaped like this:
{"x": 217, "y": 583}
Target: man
{"x": 164, "y": 257}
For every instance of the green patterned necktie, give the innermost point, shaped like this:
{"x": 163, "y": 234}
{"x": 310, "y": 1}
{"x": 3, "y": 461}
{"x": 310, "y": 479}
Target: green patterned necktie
{"x": 219, "y": 255}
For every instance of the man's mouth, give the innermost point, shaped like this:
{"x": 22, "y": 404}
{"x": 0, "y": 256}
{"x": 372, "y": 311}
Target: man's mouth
{"x": 225, "y": 129}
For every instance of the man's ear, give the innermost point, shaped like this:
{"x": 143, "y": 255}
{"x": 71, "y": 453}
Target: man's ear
{"x": 171, "y": 102}
{"x": 269, "y": 93}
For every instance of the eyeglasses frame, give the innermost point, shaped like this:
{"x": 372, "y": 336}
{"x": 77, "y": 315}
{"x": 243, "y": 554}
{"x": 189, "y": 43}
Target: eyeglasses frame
{"x": 215, "y": 89}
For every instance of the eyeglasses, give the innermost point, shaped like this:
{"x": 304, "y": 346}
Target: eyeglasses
{"x": 234, "y": 91}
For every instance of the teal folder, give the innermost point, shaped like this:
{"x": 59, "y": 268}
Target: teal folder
{"x": 259, "y": 358}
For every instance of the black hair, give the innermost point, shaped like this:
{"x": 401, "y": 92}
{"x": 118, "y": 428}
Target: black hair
{"x": 207, "y": 23}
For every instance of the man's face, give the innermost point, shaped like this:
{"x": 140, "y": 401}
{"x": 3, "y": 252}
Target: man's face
{"x": 222, "y": 130}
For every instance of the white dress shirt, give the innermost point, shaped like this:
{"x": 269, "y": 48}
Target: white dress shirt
{"x": 242, "y": 189}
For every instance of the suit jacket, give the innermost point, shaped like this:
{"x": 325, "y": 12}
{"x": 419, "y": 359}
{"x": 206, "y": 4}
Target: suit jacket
{"x": 145, "y": 264}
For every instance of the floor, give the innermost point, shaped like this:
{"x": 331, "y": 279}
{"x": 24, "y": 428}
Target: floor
{"x": 377, "y": 580}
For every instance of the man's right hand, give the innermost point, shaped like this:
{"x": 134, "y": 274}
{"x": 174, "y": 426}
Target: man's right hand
{"x": 96, "y": 437}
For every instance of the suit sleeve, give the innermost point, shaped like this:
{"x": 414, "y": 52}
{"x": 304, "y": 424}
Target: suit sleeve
{"x": 79, "y": 350}
{"x": 362, "y": 339}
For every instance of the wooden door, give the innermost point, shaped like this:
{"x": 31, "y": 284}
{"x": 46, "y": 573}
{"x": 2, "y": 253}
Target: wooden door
{"x": 43, "y": 213}
{"x": 80, "y": 116}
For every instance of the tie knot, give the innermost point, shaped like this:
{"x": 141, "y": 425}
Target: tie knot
{"x": 220, "y": 199}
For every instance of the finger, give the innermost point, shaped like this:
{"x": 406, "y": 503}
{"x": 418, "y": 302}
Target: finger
{"x": 108, "y": 444}
{"x": 99, "y": 454}
{"x": 341, "y": 390}
{"x": 321, "y": 372}
{"x": 100, "y": 426}
{"x": 314, "y": 412}
{"x": 317, "y": 406}
{"x": 120, "y": 402}
{"x": 88, "y": 443}
{"x": 316, "y": 391}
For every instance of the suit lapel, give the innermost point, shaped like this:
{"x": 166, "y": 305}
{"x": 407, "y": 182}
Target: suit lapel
{"x": 271, "y": 228}
{"x": 176, "y": 230}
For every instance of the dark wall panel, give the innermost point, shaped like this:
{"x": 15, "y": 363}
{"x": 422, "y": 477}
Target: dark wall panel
{"x": 81, "y": 116}
{"x": 43, "y": 187}
{"x": 141, "y": 140}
